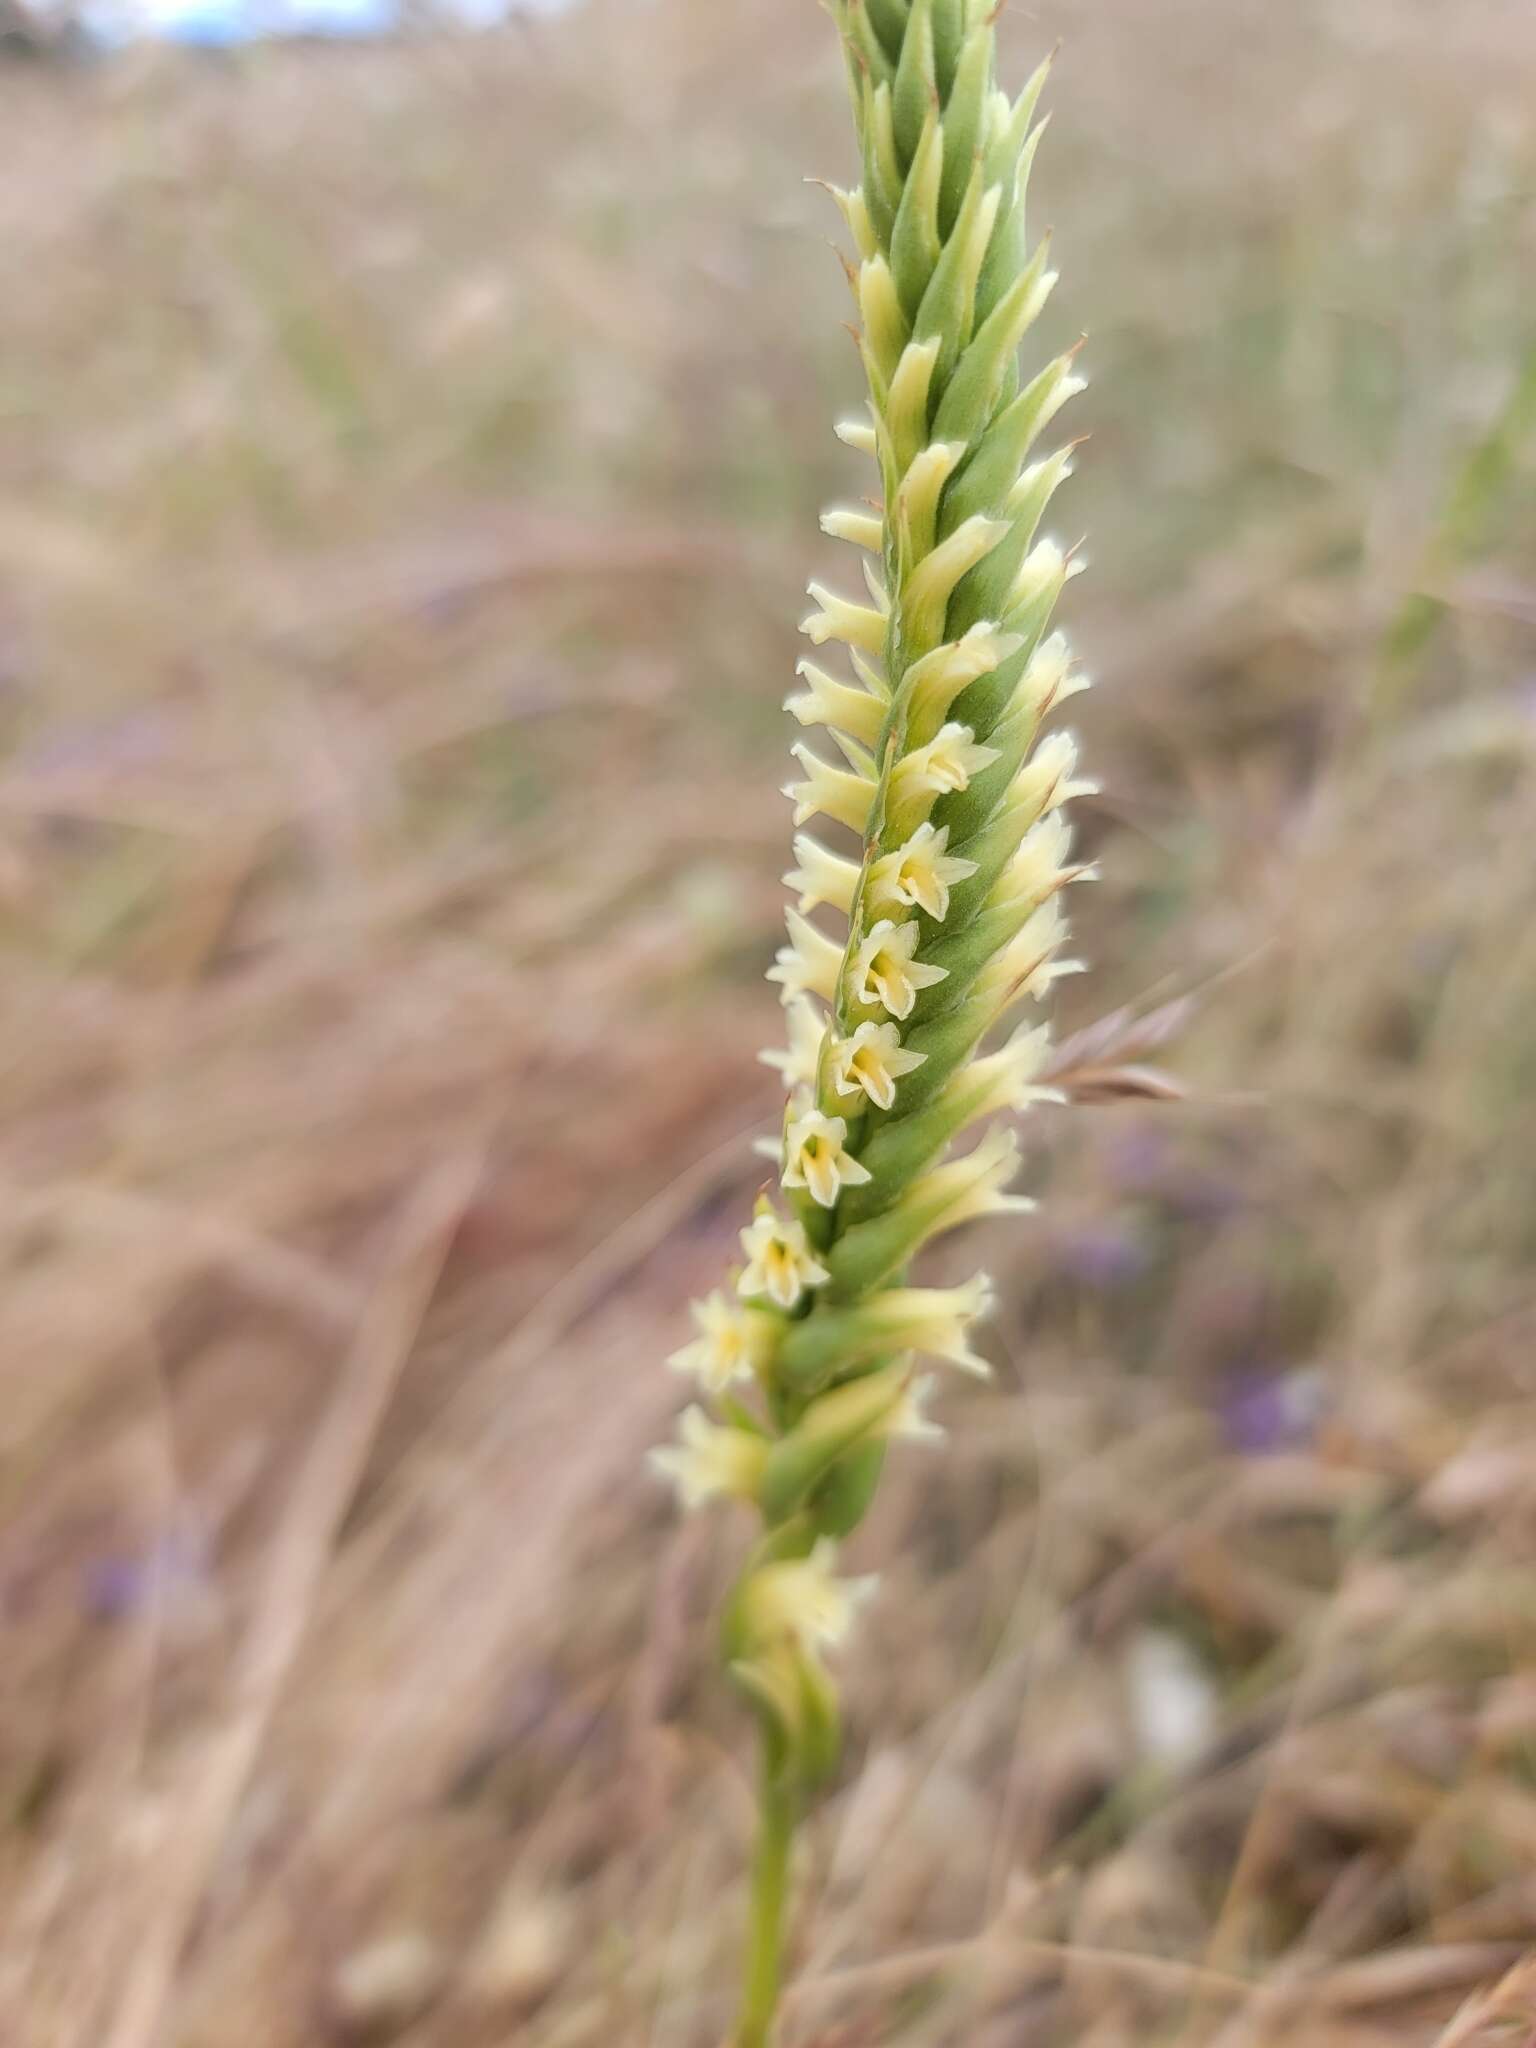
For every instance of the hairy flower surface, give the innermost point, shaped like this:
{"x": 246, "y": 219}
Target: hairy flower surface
{"x": 928, "y": 901}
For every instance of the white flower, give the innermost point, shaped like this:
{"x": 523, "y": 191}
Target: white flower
{"x": 829, "y": 702}
{"x": 944, "y": 766}
{"x": 937, "y": 1320}
{"x": 1027, "y": 964}
{"x": 967, "y": 1189}
{"x": 780, "y": 1262}
{"x": 1042, "y": 572}
{"x": 1044, "y": 681}
{"x": 814, "y": 1158}
{"x": 1046, "y": 779}
{"x": 883, "y": 970}
{"x": 862, "y": 529}
{"x": 811, "y": 962}
{"x": 931, "y": 685}
{"x": 921, "y": 873}
{"x": 907, "y": 1421}
{"x": 799, "y": 1061}
{"x": 800, "y": 1599}
{"x": 1038, "y": 869}
{"x": 1008, "y": 1078}
{"x": 733, "y": 1342}
{"x": 834, "y": 791}
{"x": 821, "y": 877}
{"x": 713, "y": 1459}
{"x": 860, "y": 625}
{"x": 872, "y": 1061}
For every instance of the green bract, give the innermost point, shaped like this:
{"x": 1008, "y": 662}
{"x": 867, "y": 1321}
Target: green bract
{"x": 928, "y": 905}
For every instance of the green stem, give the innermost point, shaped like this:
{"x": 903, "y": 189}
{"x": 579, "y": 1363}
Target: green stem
{"x": 770, "y": 1873}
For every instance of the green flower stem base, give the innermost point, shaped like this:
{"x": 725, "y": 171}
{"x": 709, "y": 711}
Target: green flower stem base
{"x": 777, "y": 1814}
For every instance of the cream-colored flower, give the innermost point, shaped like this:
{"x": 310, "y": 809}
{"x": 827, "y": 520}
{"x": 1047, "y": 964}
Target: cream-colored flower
{"x": 815, "y": 1158}
{"x": 1044, "y": 569}
{"x": 884, "y": 971}
{"x": 829, "y": 702}
{"x": 712, "y": 1460}
{"x": 1028, "y": 965}
{"x": 810, "y": 963}
{"x": 847, "y": 522}
{"x": 1039, "y": 868}
{"x": 936, "y": 1320}
{"x": 798, "y": 1062}
{"x": 780, "y": 1262}
{"x": 821, "y": 876}
{"x": 1044, "y": 975}
{"x": 799, "y": 1598}
{"x": 944, "y": 766}
{"x": 921, "y": 873}
{"x": 871, "y": 1062}
{"x": 733, "y": 1343}
{"x": 908, "y": 1422}
{"x": 967, "y": 1189}
{"x": 1009, "y": 1078}
{"x": 1044, "y": 681}
{"x": 1046, "y": 780}
{"x": 931, "y": 685}
{"x": 859, "y": 625}
{"x": 837, "y": 793}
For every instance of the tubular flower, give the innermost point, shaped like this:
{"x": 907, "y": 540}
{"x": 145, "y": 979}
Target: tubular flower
{"x": 711, "y": 1460}
{"x": 942, "y": 768}
{"x": 810, "y": 964}
{"x": 940, "y": 860}
{"x": 816, "y": 1158}
{"x": 780, "y": 1262}
{"x": 921, "y": 873}
{"x": 871, "y": 1062}
{"x": 734, "y": 1343}
{"x": 821, "y": 876}
{"x": 884, "y": 971}
{"x": 799, "y": 1061}
{"x": 801, "y": 1600}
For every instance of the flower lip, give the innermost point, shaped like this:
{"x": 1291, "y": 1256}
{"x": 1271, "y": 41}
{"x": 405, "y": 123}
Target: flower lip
{"x": 799, "y": 1061}
{"x": 944, "y": 767}
{"x": 871, "y": 1062}
{"x": 800, "y": 1599}
{"x": 733, "y": 1342}
{"x": 921, "y": 873}
{"x": 780, "y": 1262}
{"x": 711, "y": 1460}
{"x": 815, "y": 1158}
{"x": 884, "y": 972}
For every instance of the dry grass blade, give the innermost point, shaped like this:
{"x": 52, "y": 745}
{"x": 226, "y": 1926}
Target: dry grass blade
{"x": 1506, "y": 2013}
{"x": 322, "y": 1490}
{"x": 1106, "y": 1061}
{"x": 394, "y": 613}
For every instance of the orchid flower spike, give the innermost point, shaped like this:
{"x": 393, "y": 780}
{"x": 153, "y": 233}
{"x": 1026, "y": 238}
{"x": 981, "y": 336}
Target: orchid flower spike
{"x": 927, "y": 919}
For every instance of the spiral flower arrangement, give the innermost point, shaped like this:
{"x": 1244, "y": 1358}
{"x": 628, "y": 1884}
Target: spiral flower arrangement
{"x": 942, "y": 870}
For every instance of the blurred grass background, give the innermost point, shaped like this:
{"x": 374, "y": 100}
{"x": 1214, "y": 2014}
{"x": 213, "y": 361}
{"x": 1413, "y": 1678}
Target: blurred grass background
{"x": 409, "y": 459}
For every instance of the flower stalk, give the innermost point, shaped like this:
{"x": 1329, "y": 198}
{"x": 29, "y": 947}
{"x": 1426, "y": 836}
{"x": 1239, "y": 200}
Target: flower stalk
{"x": 928, "y": 901}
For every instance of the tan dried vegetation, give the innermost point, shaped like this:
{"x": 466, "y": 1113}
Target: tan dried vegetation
{"x": 407, "y": 463}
